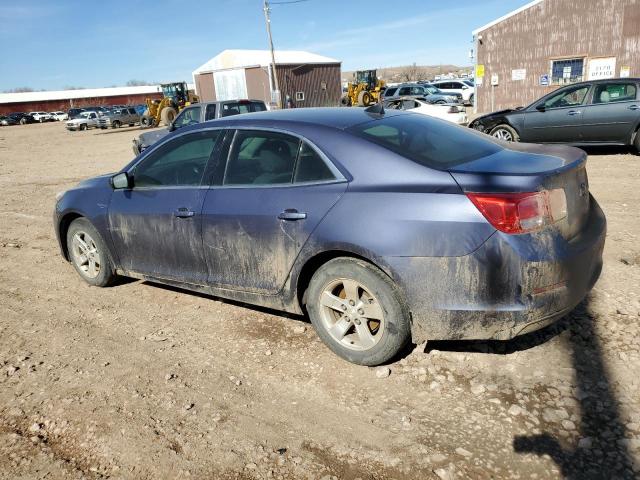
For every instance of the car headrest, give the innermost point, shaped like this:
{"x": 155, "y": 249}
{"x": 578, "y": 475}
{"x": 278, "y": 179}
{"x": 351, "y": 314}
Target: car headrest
{"x": 605, "y": 97}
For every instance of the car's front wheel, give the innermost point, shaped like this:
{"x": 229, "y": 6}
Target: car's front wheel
{"x": 88, "y": 253}
{"x": 358, "y": 311}
{"x": 505, "y": 133}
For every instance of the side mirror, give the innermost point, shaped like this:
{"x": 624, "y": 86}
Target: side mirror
{"x": 541, "y": 107}
{"x": 121, "y": 180}
{"x": 464, "y": 87}
{"x": 172, "y": 127}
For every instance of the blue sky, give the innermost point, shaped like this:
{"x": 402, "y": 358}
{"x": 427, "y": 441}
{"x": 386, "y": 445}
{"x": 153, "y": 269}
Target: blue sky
{"x": 47, "y": 44}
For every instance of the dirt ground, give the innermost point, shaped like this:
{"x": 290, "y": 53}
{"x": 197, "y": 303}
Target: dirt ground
{"x": 139, "y": 381}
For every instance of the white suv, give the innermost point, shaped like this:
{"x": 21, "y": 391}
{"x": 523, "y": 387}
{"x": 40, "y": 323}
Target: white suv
{"x": 41, "y": 116}
{"x": 464, "y": 88}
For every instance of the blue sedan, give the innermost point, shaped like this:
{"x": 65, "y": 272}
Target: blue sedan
{"x": 383, "y": 227}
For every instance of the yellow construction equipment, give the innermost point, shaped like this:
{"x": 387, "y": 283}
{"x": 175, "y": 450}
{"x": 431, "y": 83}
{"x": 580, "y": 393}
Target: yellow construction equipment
{"x": 366, "y": 89}
{"x": 176, "y": 96}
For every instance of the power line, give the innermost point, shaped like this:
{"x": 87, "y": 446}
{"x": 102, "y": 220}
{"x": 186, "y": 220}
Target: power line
{"x": 288, "y": 2}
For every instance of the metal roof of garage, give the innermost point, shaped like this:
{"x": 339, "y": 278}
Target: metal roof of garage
{"x": 73, "y": 94}
{"x": 229, "y": 59}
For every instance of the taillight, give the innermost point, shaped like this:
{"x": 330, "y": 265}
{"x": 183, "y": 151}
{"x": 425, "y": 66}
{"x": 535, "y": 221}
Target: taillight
{"x": 521, "y": 212}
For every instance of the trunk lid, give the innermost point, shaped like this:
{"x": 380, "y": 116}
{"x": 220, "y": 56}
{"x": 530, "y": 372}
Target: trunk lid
{"x": 532, "y": 168}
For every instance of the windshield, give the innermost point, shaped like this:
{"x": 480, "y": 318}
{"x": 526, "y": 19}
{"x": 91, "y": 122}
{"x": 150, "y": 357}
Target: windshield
{"x": 469, "y": 82}
{"x": 432, "y": 143}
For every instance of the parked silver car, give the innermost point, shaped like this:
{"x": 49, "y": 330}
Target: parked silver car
{"x": 430, "y": 93}
{"x": 119, "y": 116}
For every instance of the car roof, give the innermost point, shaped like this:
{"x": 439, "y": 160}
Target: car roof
{"x": 334, "y": 117}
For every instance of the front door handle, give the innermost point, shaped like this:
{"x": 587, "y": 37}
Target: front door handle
{"x": 183, "y": 212}
{"x": 634, "y": 107}
{"x": 574, "y": 112}
{"x": 292, "y": 214}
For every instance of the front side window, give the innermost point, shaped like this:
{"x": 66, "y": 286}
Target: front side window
{"x": 567, "y": 98}
{"x": 189, "y": 116}
{"x": 567, "y": 71}
{"x": 614, "y": 92}
{"x": 430, "y": 143}
{"x": 180, "y": 162}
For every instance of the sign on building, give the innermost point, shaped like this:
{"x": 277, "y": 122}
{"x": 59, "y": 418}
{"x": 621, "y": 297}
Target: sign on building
{"x": 625, "y": 71}
{"x": 519, "y": 74}
{"x": 479, "y": 71}
{"x": 602, "y": 68}
{"x": 544, "y": 80}
{"x": 494, "y": 80}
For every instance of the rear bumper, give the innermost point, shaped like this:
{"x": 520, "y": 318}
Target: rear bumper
{"x": 511, "y": 285}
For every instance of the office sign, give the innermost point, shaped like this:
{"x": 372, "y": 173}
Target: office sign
{"x": 602, "y": 68}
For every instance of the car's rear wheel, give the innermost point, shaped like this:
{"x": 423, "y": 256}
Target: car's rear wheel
{"x": 505, "y": 133}
{"x": 358, "y": 311}
{"x": 23, "y": 121}
{"x": 471, "y": 99}
{"x": 637, "y": 141}
{"x": 89, "y": 254}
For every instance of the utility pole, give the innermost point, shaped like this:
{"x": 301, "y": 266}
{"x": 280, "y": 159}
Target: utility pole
{"x": 273, "y": 55}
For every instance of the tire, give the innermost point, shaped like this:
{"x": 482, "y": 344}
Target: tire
{"x": 506, "y": 133}
{"x": 472, "y": 99}
{"x": 358, "y": 288}
{"x": 23, "y": 121}
{"x": 146, "y": 121}
{"x": 116, "y": 124}
{"x": 83, "y": 126}
{"x": 168, "y": 115}
{"x": 345, "y": 101}
{"x": 364, "y": 98}
{"x": 89, "y": 254}
{"x": 636, "y": 143}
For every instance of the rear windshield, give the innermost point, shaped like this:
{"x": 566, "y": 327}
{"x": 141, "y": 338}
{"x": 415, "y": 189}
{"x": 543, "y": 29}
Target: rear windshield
{"x": 429, "y": 142}
{"x": 236, "y": 108}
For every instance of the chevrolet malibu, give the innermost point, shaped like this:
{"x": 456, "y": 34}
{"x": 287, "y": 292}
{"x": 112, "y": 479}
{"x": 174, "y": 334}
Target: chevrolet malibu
{"x": 384, "y": 227}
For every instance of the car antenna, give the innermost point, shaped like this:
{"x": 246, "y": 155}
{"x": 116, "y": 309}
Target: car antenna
{"x": 376, "y": 108}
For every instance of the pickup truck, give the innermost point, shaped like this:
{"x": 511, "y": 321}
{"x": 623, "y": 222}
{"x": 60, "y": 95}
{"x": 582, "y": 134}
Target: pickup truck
{"x": 197, "y": 113}
{"x": 83, "y": 121}
{"x": 118, "y": 117}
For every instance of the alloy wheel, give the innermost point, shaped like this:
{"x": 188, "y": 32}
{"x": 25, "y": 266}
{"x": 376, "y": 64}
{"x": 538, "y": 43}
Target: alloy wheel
{"x": 502, "y": 134}
{"x": 351, "y": 314}
{"x": 85, "y": 254}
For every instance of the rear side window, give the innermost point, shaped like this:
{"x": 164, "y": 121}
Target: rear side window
{"x": 404, "y": 91}
{"x": 614, "y": 92}
{"x": 310, "y": 167}
{"x": 429, "y": 142}
{"x": 389, "y": 92}
{"x": 261, "y": 158}
{"x": 272, "y": 158}
{"x": 210, "y": 112}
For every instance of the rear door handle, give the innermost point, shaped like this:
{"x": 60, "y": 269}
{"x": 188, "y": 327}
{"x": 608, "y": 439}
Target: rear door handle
{"x": 574, "y": 112}
{"x": 292, "y": 214}
{"x": 634, "y": 107}
{"x": 183, "y": 212}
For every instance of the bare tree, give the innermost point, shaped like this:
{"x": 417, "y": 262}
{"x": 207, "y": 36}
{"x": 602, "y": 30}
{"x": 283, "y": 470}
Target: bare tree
{"x": 20, "y": 90}
{"x": 138, "y": 83}
{"x": 410, "y": 73}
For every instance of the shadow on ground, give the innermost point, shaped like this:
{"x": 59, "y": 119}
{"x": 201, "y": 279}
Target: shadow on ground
{"x": 602, "y": 452}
